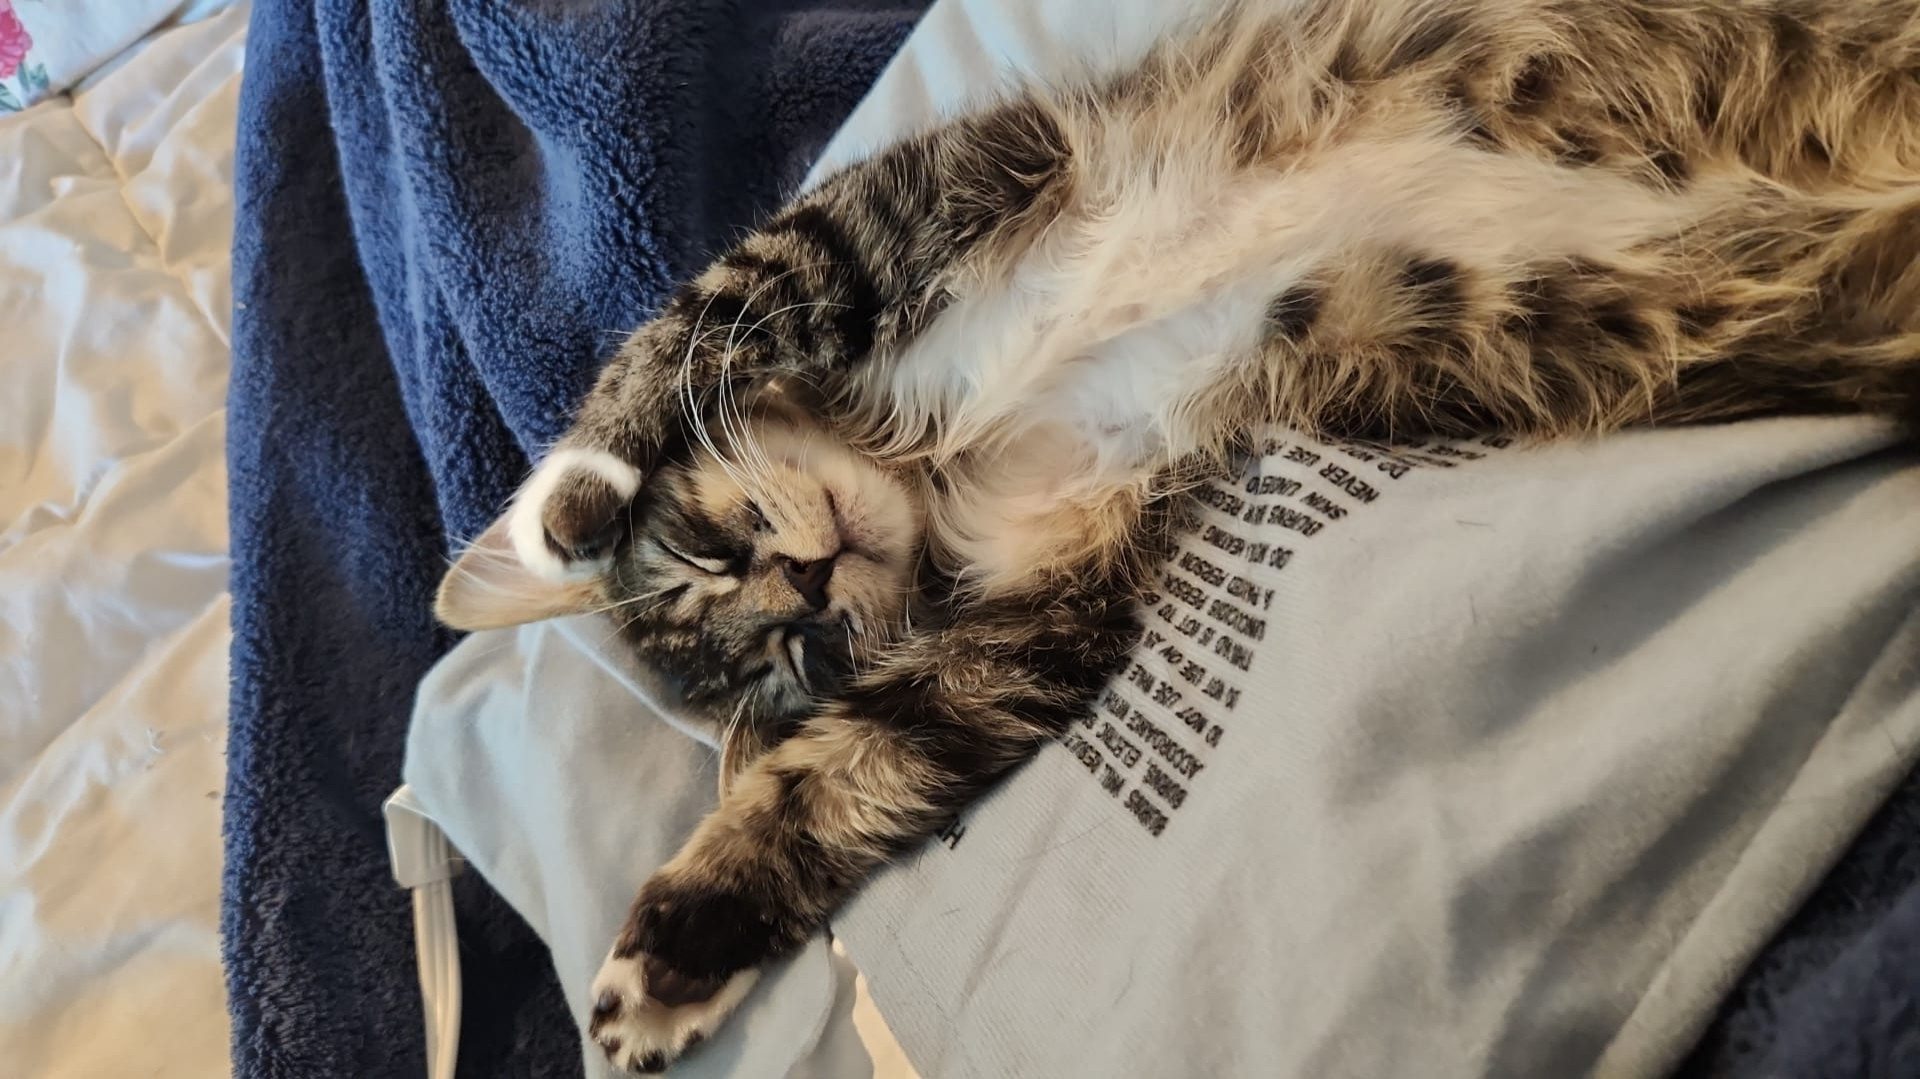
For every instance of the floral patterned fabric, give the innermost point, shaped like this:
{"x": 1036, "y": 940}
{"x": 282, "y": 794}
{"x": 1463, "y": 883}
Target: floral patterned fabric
{"x": 48, "y": 46}
{"x": 21, "y": 82}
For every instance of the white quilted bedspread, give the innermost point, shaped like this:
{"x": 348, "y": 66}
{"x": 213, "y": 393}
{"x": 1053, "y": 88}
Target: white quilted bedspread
{"x": 116, "y": 213}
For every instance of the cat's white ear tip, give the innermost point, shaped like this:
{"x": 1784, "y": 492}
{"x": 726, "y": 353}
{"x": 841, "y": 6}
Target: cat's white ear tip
{"x": 527, "y": 535}
{"x": 526, "y": 520}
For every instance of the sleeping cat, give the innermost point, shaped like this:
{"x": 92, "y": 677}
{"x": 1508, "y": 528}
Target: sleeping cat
{"x": 1001, "y": 351}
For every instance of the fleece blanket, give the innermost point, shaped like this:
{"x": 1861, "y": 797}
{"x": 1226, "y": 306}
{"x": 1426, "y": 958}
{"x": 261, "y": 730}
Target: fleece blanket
{"x": 445, "y": 213}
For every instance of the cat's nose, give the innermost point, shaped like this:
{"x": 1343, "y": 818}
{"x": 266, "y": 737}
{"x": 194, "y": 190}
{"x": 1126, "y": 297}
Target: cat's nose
{"x": 810, "y": 579}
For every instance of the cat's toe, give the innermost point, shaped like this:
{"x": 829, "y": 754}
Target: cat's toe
{"x": 645, "y": 1015}
{"x": 572, "y": 512}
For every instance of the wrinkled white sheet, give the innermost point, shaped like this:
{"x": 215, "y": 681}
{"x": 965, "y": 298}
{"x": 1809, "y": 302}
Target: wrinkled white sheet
{"x": 116, "y": 214}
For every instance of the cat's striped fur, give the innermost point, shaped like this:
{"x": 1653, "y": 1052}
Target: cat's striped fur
{"x": 1364, "y": 217}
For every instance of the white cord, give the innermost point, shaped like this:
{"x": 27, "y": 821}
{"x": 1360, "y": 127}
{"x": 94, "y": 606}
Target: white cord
{"x": 424, "y": 862}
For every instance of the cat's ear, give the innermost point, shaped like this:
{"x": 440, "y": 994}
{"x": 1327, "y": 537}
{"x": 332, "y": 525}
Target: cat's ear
{"x": 489, "y": 587}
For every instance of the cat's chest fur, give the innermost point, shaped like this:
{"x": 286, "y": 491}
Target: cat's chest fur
{"x": 1055, "y": 395}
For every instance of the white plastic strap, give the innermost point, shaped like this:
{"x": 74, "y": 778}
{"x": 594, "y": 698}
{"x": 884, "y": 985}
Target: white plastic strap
{"x": 425, "y": 863}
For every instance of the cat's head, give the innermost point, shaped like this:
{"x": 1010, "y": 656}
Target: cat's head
{"x": 759, "y": 569}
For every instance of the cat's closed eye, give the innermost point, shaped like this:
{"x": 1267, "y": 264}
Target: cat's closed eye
{"x": 714, "y": 565}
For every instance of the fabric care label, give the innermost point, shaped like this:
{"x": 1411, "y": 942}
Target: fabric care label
{"x": 1148, "y": 744}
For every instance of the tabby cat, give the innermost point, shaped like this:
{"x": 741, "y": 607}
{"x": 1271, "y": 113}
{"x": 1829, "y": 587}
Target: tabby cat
{"x": 981, "y": 367}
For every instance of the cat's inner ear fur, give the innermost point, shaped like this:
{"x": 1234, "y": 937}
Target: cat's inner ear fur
{"x": 489, "y": 587}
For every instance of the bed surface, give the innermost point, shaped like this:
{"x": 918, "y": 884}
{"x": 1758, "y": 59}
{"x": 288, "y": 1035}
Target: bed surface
{"x": 1639, "y": 813}
{"x": 115, "y": 226}
{"x": 115, "y": 234}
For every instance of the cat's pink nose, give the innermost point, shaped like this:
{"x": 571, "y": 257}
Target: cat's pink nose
{"x": 810, "y": 579}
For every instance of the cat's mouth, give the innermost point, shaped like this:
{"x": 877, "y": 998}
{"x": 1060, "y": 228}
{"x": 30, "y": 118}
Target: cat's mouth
{"x": 819, "y": 654}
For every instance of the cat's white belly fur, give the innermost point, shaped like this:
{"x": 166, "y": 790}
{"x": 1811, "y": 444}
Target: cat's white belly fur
{"x": 1083, "y": 421}
{"x": 1078, "y": 371}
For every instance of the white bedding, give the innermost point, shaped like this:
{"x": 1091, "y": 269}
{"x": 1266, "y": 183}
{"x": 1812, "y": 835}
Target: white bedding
{"x": 115, "y": 223}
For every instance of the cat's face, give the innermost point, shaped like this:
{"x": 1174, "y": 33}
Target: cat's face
{"x": 761, "y": 571}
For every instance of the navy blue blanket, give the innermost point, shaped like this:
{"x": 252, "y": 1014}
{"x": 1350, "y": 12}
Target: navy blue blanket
{"x": 1836, "y": 995}
{"x": 448, "y": 210}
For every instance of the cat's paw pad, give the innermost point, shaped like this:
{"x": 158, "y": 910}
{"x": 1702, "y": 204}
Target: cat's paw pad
{"x": 646, "y": 1015}
{"x": 572, "y": 512}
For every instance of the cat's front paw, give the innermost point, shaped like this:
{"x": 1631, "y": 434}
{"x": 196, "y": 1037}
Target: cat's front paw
{"x": 647, "y": 1014}
{"x": 572, "y": 511}
{"x": 691, "y": 949}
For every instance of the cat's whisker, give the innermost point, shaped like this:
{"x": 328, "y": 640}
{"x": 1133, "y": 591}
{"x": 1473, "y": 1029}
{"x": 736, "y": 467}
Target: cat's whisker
{"x": 694, "y": 415}
{"x": 697, "y": 424}
{"x": 754, "y": 490}
{"x": 689, "y": 405}
{"x": 727, "y": 353}
{"x": 853, "y": 650}
{"x": 752, "y": 467}
{"x": 691, "y": 411}
{"x": 731, "y": 725}
{"x": 649, "y": 596}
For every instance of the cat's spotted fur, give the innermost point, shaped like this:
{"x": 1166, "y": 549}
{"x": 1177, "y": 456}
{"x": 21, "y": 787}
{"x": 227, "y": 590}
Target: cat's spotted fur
{"x": 1361, "y": 217}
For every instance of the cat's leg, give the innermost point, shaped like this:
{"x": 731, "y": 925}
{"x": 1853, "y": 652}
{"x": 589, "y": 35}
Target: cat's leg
{"x": 1787, "y": 303}
{"x": 1791, "y": 133}
{"x": 1842, "y": 332}
{"x": 913, "y": 742}
{"x": 840, "y": 277}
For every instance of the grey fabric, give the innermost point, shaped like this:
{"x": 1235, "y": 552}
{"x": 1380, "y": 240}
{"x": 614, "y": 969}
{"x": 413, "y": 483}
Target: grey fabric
{"x": 537, "y": 754}
{"x": 1529, "y": 751}
{"x": 1531, "y": 754}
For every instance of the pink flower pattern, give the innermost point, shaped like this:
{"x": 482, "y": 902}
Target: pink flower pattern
{"x": 14, "y": 40}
